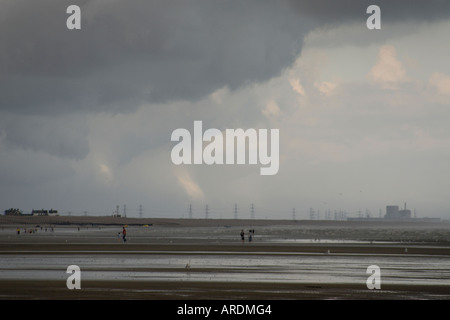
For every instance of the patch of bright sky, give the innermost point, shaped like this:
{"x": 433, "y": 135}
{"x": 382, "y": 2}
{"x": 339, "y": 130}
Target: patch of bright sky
{"x": 422, "y": 49}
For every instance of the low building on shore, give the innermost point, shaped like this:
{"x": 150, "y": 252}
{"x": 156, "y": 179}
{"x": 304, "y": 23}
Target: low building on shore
{"x": 44, "y": 212}
{"x": 13, "y": 212}
{"x": 41, "y": 212}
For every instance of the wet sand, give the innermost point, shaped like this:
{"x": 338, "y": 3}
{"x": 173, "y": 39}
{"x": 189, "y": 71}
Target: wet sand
{"x": 220, "y": 239}
{"x": 160, "y": 290}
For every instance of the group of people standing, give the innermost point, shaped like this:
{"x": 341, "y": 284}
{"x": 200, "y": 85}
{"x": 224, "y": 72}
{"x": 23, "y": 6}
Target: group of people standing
{"x": 251, "y": 234}
{"x": 32, "y": 230}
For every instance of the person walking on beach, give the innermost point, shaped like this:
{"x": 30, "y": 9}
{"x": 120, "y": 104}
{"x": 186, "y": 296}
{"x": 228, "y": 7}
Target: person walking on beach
{"x": 124, "y": 234}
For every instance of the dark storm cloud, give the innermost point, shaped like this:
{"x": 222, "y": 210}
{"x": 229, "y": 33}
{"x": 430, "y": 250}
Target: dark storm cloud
{"x": 130, "y": 52}
{"x": 134, "y": 51}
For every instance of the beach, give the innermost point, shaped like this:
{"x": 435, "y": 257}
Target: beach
{"x": 201, "y": 259}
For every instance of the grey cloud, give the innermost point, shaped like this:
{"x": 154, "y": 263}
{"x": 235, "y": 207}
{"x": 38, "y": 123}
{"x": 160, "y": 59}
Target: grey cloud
{"x": 337, "y": 12}
{"x": 132, "y": 52}
{"x": 63, "y": 137}
{"x": 22, "y": 168}
{"x": 345, "y": 21}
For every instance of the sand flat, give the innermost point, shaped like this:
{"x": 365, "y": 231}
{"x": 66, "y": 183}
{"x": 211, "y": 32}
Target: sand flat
{"x": 307, "y": 260}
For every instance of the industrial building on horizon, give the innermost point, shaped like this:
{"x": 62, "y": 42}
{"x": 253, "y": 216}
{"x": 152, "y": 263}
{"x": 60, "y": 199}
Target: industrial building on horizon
{"x": 393, "y": 213}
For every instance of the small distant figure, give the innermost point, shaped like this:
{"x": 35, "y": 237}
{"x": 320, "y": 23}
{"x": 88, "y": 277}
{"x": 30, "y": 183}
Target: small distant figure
{"x": 119, "y": 237}
{"x": 124, "y": 234}
{"x": 242, "y": 235}
{"x": 18, "y": 231}
{"x": 251, "y": 233}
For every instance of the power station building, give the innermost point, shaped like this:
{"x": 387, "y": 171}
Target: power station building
{"x": 393, "y": 213}
{"x": 43, "y": 212}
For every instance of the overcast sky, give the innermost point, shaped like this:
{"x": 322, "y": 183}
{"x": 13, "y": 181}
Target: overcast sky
{"x": 86, "y": 115}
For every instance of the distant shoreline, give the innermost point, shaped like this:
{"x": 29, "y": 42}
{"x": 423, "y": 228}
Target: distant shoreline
{"x": 182, "y": 222}
{"x": 114, "y": 221}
